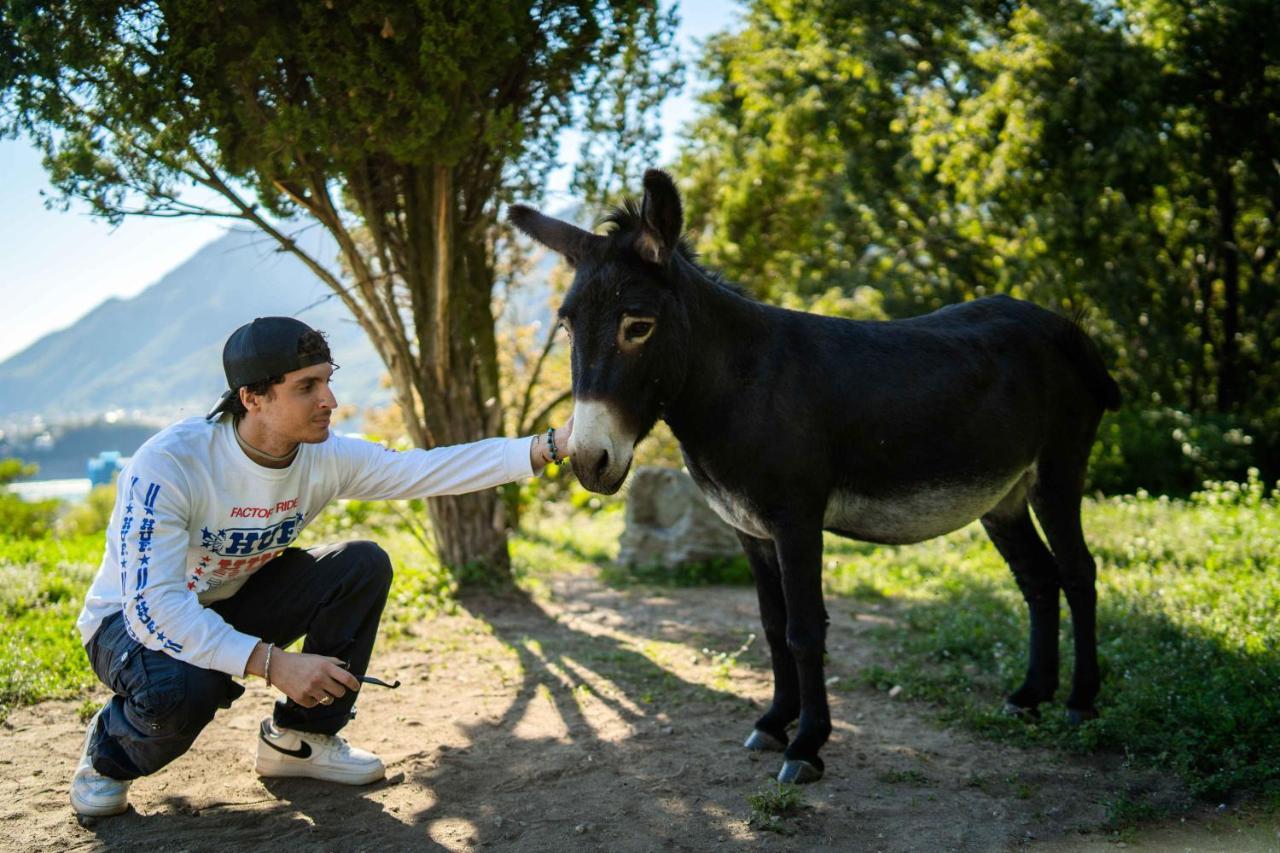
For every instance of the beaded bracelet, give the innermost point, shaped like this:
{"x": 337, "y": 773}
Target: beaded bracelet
{"x": 266, "y": 667}
{"x": 551, "y": 445}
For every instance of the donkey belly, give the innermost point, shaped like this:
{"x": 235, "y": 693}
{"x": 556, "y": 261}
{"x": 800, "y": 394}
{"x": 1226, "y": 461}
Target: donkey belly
{"x": 920, "y": 513}
{"x": 736, "y": 512}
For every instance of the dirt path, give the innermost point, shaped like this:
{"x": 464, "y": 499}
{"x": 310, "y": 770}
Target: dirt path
{"x": 594, "y": 721}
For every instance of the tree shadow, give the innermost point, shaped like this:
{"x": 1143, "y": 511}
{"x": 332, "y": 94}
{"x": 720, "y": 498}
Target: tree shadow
{"x": 565, "y": 769}
{"x": 303, "y": 813}
{"x": 638, "y": 702}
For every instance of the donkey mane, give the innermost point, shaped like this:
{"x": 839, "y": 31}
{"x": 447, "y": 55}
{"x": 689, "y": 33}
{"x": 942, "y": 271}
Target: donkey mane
{"x": 626, "y": 217}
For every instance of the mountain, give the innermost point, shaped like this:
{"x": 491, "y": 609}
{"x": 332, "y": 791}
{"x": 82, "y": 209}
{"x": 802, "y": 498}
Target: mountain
{"x": 161, "y": 351}
{"x": 157, "y": 357}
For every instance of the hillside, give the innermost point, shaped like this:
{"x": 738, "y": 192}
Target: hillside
{"x": 160, "y": 351}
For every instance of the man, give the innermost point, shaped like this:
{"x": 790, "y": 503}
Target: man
{"x": 199, "y": 583}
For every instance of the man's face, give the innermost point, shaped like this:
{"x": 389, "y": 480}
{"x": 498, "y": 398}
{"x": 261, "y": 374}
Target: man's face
{"x": 299, "y": 408}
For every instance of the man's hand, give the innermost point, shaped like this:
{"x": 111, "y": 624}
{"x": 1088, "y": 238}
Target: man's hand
{"x": 540, "y": 451}
{"x": 310, "y": 680}
{"x": 564, "y": 439}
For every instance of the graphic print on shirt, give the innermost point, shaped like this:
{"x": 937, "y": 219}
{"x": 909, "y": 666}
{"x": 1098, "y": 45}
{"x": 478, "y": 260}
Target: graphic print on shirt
{"x": 234, "y": 551}
{"x": 142, "y": 550}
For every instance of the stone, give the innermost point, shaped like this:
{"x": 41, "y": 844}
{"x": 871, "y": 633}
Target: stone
{"x": 669, "y": 523}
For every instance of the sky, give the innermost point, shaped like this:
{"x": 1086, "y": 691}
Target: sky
{"x": 55, "y": 266}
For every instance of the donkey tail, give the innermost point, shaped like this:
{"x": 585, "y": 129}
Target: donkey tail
{"x": 1083, "y": 353}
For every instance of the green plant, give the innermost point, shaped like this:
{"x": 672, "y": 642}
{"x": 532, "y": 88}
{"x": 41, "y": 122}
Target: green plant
{"x": 89, "y": 516}
{"x": 771, "y": 805}
{"x": 724, "y": 570}
{"x": 723, "y": 663}
{"x": 1169, "y": 452}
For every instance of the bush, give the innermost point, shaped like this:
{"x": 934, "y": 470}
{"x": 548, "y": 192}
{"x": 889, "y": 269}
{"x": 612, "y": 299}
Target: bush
{"x": 21, "y": 519}
{"x": 90, "y": 515}
{"x": 1169, "y": 452}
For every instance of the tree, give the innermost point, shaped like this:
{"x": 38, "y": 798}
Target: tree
{"x": 397, "y": 127}
{"x": 1119, "y": 158}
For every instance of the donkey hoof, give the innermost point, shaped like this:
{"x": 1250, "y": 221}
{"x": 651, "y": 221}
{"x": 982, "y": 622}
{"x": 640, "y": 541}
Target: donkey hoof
{"x": 1022, "y": 712}
{"x": 798, "y": 772}
{"x": 1076, "y": 716}
{"x": 760, "y": 741}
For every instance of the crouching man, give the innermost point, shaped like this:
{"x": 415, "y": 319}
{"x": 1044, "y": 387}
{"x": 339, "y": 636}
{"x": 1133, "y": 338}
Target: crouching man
{"x": 199, "y": 583}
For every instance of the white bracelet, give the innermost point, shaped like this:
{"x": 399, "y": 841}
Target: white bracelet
{"x": 266, "y": 667}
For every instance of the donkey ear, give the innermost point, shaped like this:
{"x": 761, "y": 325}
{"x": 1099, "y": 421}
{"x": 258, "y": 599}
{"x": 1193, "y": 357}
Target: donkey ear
{"x": 661, "y": 218}
{"x": 569, "y": 240}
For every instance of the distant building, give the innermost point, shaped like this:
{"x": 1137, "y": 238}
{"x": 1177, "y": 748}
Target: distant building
{"x": 103, "y": 467}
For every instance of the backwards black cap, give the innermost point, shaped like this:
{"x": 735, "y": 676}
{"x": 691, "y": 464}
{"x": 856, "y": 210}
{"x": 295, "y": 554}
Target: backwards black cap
{"x": 260, "y": 350}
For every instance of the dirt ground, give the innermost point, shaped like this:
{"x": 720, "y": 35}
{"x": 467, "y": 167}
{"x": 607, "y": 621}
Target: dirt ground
{"x": 591, "y": 720}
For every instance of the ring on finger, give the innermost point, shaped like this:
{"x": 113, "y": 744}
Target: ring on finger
{"x": 326, "y": 700}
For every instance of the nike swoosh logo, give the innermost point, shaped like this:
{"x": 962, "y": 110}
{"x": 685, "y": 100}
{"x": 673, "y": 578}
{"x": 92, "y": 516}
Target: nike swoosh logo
{"x": 303, "y": 751}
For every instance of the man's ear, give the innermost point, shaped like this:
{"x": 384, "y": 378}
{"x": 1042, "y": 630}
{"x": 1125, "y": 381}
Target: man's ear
{"x": 661, "y": 218}
{"x": 569, "y": 240}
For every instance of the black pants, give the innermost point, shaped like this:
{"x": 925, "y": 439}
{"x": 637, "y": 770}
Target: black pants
{"x": 333, "y": 595}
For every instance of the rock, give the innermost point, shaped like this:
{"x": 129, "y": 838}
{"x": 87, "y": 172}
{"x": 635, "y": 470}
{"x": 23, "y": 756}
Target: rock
{"x": 669, "y": 523}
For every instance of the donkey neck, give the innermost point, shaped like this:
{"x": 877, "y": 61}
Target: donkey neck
{"x": 726, "y": 330}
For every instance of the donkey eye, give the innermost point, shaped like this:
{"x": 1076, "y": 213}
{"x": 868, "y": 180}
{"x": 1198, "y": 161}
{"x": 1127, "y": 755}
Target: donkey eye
{"x": 636, "y": 331}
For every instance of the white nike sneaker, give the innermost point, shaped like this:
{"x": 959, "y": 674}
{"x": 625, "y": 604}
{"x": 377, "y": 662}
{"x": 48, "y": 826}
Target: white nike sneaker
{"x": 285, "y": 752}
{"x": 92, "y": 794}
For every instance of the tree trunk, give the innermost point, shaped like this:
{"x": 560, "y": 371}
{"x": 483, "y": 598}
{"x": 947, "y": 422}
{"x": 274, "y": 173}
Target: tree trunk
{"x": 471, "y": 538}
{"x": 451, "y": 285}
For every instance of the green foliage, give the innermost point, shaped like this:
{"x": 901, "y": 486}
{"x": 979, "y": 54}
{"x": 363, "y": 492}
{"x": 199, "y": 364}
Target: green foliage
{"x": 92, "y": 515}
{"x": 1114, "y": 157}
{"x": 34, "y": 519}
{"x": 771, "y": 805}
{"x": 1168, "y": 452}
{"x": 1189, "y": 639}
{"x": 12, "y": 469}
{"x": 726, "y": 570}
{"x": 18, "y": 517}
{"x": 42, "y": 586}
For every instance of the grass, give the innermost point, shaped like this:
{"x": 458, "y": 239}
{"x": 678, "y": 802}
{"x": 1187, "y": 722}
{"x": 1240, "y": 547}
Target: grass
{"x": 1189, "y": 622}
{"x": 773, "y": 804}
{"x": 42, "y": 586}
{"x": 1189, "y": 625}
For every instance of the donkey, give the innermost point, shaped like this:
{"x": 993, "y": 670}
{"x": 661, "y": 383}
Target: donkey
{"x": 794, "y": 423}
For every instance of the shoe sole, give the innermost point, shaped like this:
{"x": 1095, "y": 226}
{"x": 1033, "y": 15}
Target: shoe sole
{"x": 273, "y": 770}
{"x": 89, "y": 810}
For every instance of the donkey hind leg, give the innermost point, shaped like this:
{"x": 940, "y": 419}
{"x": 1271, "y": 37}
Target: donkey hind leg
{"x": 800, "y": 561}
{"x": 770, "y": 733}
{"x": 1056, "y": 497}
{"x": 1034, "y": 569}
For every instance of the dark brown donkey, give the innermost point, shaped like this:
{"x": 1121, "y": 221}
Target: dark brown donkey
{"x": 794, "y": 423}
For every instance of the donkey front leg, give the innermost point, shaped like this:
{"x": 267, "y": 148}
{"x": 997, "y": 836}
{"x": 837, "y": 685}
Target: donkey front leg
{"x": 770, "y": 733}
{"x": 800, "y": 560}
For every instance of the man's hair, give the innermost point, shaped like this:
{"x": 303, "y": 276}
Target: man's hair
{"x": 311, "y": 343}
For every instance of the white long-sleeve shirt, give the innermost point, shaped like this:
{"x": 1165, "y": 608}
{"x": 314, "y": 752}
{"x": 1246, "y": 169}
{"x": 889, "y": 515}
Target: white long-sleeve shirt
{"x": 194, "y": 518}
